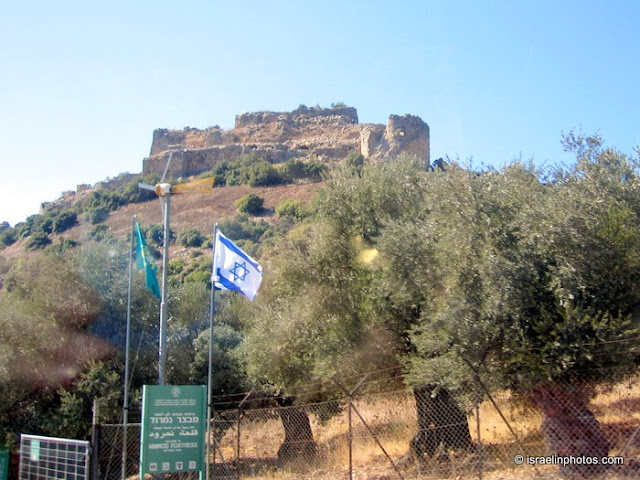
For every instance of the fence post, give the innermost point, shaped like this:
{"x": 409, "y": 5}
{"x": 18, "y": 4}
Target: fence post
{"x": 350, "y": 438}
{"x": 95, "y": 442}
{"x": 238, "y": 441}
{"x": 240, "y": 412}
{"x": 480, "y": 466}
{"x": 350, "y": 394}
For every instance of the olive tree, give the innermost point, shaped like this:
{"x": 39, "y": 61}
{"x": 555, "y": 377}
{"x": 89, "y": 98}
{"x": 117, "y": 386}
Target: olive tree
{"x": 538, "y": 288}
{"x": 329, "y": 306}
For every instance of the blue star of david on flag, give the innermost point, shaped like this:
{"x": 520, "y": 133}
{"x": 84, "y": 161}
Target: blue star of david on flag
{"x": 239, "y": 271}
{"x": 233, "y": 269}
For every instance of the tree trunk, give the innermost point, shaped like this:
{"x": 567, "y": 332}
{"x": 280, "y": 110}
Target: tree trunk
{"x": 298, "y": 442}
{"x": 440, "y": 421}
{"x": 569, "y": 427}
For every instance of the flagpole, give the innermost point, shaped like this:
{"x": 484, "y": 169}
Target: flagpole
{"x": 209, "y": 375}
{"x": 125, "y": 406}
{"x": 164, "y": 303}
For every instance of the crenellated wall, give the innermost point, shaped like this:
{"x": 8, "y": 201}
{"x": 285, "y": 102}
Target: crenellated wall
{"x": 325, "y": 134}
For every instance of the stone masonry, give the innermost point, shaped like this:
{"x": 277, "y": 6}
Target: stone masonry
{"x": 325, "y": 134}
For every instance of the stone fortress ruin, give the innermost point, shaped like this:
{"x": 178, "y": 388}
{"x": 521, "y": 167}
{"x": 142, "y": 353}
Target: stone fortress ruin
{"x": 324, "y": 134}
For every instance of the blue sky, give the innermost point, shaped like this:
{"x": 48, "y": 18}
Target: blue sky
{"x": 84, "y": 84}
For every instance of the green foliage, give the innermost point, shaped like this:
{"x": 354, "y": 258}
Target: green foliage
{"x": 292, "y": 209}
{"x": 29, "y": 226}
{"x": 101, "y": 199}
{"x": 315, "y": 170}
{"x": 198, "y": 270}
{"x": 155, "y": 235}
{"x": 527, "y": 292}
{"x": 294, "y": 170}
{"x": 62, "y": 245}
{"x": 323, "y": 310}
{"x": 241, "y": 228}
{"x": 191, "y": 238}
{"x": 250, "y": 203}
{"x": 176, "y": 266}
{"x": 254, "y": 171}
{"x": 99, "y": 203}
{"x": 263, "y": 174}
{"x": 97, "y": 214}
{"x": 131, "y": 193}
{"x": 189, "y": 311}
{"x": 98, "y": 233}
{"x": 64, "y": 221}
{"x": 246, "y": 170}
{"x": 8, "y": 237}
{"x": 38, "y": 240}
{"x": 73, "y": 415}
{"x": 63, "y": 334}
{"x": 517, "y": 276}
{"x": 354, "y": 163}
{"x": 199, "y": 276}
{"x": 228, "y": 369}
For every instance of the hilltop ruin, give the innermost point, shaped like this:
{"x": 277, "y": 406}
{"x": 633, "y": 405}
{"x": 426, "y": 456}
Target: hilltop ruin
{"x": 325, "y": 134}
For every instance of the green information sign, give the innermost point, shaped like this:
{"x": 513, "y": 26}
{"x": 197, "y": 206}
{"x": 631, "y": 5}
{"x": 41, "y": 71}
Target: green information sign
{"x": 173, "y": 428}
{"x": 4, "y": 464}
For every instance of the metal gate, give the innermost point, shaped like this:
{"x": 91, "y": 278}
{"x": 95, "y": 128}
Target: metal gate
{"x": 44, "y": 458}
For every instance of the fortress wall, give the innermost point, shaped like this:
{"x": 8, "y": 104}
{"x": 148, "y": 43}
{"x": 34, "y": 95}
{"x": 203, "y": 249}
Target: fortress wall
{"x": 307, "y": 133}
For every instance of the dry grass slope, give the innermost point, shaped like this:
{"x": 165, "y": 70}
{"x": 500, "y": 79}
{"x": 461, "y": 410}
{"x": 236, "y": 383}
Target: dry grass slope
{"x": 391, "y": 417}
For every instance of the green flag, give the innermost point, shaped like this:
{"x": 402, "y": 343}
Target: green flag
{"x": 141, "y": 262}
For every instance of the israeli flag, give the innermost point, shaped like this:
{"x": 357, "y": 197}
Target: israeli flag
{"x": 233, "y": 269}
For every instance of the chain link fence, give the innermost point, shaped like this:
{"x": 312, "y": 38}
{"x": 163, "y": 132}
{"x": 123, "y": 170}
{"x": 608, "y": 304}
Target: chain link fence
{"x": 558, "y": 431}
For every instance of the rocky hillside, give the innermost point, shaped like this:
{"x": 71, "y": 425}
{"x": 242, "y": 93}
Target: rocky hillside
{"x": 195, "y": 211}
{"x": 276, "y": 141}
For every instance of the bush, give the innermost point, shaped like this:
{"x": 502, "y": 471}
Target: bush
{"x": 198, "y": 270}
{"x": 176, "y": 266}
{"x": 63, "y": 245}
{"x": 8, "y": 237}
{"x": 29, "y": 226}
{"x": 97, "y": 215}
{"x": 242, "y": 228}
{"x": 246, "y": 170}
{"x": 355, "y": 163}
{"x": 293, "y": 169}
{"x": 191, "y": 238}
{"x": 98, "y": 233}
{"x": 251, "y": 204}
{"x": 315, "y": 170}
{"x": 38, "y": 240}
{"x": 155, "y": 235}
{"x": 292, "y": 209}
{"x": 64, "y": 221}
{"x": 131, "y": 193}
{"x": 101, "y": 199}
{"x": 263, "y": 174}
{"x": 199, "y": 276}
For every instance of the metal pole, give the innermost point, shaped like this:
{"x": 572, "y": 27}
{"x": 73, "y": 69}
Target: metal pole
{"x": 95, "y": 440}
{"x": 125, "y": 406}
{"x": 477, "y": 408}
{"x": 164, "y": 305}
{"x": 209, "y": 374}
{"x": 350, "y": 440}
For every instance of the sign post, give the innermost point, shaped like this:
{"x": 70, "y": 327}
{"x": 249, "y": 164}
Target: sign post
{"x": 173, "y": 429}
{"x": 4, "y": 464}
